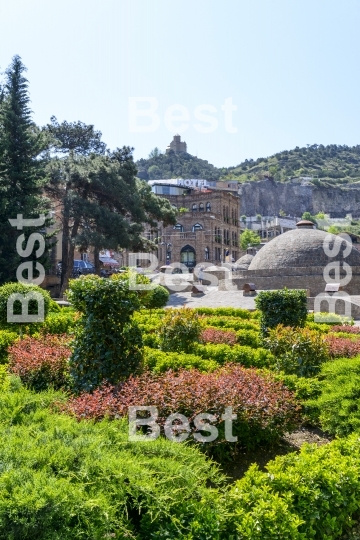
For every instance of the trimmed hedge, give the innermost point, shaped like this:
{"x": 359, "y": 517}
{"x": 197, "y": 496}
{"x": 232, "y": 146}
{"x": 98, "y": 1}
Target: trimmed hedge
{"x": 312, "y": 494}
{"x": 247, "y": 356}
{"x": 159, "y": 361}
{"x": 20, "y": 288}
{"x": 286, "y": 306}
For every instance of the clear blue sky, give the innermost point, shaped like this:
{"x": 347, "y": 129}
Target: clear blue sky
{"x": 290, "y": 66}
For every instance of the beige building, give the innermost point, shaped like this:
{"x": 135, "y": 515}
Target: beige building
{"x": 207, "y": 229}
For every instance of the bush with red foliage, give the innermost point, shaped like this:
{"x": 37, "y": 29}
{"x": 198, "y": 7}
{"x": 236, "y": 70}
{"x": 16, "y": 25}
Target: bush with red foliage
{"x": 214, "y": 335}
{"x": 41, "y": 362}
{"x": 345, "y": 328}
{"x": 342, "y": 347}
{"x": 265, "y": 409}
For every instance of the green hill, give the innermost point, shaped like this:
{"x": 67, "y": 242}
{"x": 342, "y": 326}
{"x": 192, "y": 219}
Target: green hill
{"x": 327, "y": 165}
{"x": 173, "y": 165}
{"x": 330, "y": 165}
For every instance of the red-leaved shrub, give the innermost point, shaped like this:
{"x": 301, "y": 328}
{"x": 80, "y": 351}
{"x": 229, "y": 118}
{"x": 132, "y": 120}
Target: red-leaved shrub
{"x": 41, "y": 362}
{"x": 265, "y": 409}
{"x": 214, "y": 335}
{"x": 345, "y": 328}
{"x": 342, "y": 347}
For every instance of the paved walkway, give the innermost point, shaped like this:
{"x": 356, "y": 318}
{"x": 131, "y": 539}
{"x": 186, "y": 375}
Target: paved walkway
{"x": 212, "y": 299}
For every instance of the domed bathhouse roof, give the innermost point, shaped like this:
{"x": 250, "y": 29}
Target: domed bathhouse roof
{"x": 244, "y": 261}
{"x": 302, "y": 248}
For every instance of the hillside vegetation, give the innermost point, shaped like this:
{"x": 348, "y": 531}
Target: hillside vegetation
{"x": 330, "y": 164}
{"x": 173, "y": 165}
{"x": 327, "y": 165}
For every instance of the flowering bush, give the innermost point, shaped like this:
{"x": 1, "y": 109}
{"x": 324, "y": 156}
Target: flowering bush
{"x": 342, "y": 346}
{"x": 41, "y": 362}
{"x": 298, "y": 351}
{"x": 265, "y": 409}
{"x": 345, "y": 328}
{"x": 213, "y": 335}
{"x": 179, "y": 330}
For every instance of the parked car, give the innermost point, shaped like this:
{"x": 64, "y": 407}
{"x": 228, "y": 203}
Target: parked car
{"x": 80, "y": 268}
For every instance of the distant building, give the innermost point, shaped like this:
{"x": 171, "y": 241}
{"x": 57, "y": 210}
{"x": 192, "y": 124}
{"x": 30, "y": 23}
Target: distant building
{"x": 177, "y": 145}
{"x": 207, "y": 229}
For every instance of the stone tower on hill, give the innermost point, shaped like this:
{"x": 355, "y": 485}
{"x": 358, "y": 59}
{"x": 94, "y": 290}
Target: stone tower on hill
{"x": 177, "y": 146}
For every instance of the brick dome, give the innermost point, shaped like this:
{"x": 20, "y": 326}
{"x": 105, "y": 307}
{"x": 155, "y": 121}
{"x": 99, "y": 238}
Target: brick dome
{"x": 244, "y": 261}
{"x": 300, "y": 248}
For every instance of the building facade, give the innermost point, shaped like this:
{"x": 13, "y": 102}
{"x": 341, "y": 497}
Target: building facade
{"x": 207, "y": 229}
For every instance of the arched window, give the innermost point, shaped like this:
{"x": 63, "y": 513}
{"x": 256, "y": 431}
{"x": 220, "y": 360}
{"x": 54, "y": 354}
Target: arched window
{"x": 208, "y": 207}
{"x": 201, "y": 207}
{"x": 179, "y": 227}
{"x": 207, "y": 254}
{"x": 194, "y": 207}
{"x": 197, "y": 227}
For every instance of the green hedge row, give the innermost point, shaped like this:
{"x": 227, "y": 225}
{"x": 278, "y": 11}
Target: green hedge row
{"x": 159, "y": 361}
{"x": 247, "y": 356}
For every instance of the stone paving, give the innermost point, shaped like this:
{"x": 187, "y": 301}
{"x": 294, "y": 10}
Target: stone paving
{"x": 213, "y": 299}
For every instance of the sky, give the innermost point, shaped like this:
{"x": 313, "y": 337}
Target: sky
{"x": 267, "y": 75}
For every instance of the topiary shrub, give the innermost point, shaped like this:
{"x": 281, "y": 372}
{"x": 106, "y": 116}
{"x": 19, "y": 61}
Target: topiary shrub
{"x": 298, "y": 351}
{"x": 287, "y": 307}
{"x": 151, "y": 296}
{"x": 108, "y": 344}
{"x": 179, "y": 330}
{"x": 156, "y": 298}
{"x": 20, "y": 288}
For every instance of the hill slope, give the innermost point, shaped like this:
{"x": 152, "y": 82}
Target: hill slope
{"x": 330, "y": 165}
{"x": 173, "y": 165}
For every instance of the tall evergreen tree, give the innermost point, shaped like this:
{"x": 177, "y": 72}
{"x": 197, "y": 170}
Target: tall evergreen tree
{"x": 21, "y": 169}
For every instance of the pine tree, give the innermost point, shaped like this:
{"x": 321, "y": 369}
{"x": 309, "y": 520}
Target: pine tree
{"x": 21, "y": 169}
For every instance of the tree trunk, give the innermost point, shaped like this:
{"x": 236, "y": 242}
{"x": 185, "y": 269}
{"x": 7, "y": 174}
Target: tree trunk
{"x": 65, "y": 247}
{"x": 70, "y": 258}
{"x": 97, "y": 261}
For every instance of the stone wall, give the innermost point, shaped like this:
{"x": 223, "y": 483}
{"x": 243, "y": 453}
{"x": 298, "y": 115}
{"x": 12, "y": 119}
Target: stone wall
{"x": 311, "y": 279}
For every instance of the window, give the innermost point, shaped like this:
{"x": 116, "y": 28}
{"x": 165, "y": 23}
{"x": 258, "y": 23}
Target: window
{"x": 197, "y": 227}
{"x": 194, "y": 207}
{"x": 208, "y": 207}
{"x": 207, "y": 254}
{"x": 201, "y": 207}
{"x": 218, "y": 235}
{"x": 179, "y": 227}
